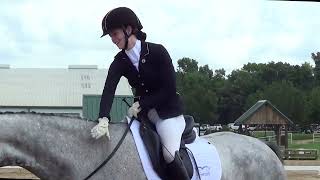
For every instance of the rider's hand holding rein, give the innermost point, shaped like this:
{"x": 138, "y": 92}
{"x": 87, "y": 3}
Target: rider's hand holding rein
{"x": 101, "y": 129}
{"x": 134, "y": 110}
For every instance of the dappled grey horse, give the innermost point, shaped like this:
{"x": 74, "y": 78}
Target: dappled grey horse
{"x": 56, "y": 147}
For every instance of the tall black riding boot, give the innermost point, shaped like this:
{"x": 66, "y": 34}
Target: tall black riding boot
{"x": 176, "y": 169}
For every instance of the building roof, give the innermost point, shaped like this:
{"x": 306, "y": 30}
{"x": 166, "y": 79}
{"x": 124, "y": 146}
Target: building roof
{"x": 53, "y": 87}
{"x": 261, "y": 103}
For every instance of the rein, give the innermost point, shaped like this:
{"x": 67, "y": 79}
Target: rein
{"x": 115, "y": 149}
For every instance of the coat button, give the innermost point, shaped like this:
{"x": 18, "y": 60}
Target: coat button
{"x": 142, "y": 84}
{"x": 147, "y": 90}
{"x": 139, "y": 76}
{"x": 143, "y": 60}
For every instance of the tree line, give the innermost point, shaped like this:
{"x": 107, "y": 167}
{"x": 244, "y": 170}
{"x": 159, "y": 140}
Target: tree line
{"x": 211, "y": 96}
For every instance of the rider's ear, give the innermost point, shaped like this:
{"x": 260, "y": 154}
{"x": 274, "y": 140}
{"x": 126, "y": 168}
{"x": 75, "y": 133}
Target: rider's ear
{"x": 129, "y": 30}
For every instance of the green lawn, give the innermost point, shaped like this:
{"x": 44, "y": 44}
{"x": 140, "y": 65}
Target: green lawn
{"x": 299, "y": 140}
{"x": 305, "y": 146}
{"x": 300, "y": 136}
{"x": 295, "y": 136}
{"x": 258, "y": 134}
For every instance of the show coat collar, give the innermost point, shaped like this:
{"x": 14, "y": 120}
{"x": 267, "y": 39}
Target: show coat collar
{"x": 144, "y": 52}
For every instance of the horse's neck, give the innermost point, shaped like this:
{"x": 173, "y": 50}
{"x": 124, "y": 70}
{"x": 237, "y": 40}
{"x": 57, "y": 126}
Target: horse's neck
{"x": 44, "y": 144}
{"x": 14, "y": 156}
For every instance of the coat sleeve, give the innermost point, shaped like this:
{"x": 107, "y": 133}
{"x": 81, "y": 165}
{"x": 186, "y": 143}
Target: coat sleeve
{"x": 112, "y": 80}
{"x": 168, "y": 87}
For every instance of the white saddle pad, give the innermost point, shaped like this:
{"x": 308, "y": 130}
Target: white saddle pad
{"x": 205, "y": 154}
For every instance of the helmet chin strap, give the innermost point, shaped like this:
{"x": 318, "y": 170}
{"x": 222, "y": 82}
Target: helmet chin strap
{"x": 126, "y": 36}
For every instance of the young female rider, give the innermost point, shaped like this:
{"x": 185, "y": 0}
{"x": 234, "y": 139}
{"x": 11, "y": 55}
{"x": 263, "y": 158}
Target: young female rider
{"x": 148, "y": 68}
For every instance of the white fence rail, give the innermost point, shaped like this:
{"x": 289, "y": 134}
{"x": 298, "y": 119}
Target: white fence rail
{"x": 316, "y": 137}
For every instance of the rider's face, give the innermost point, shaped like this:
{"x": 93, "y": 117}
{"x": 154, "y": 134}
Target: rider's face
{"x": 118, "y": 38}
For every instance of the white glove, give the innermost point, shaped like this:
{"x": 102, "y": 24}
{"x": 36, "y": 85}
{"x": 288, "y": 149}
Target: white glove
{"x": 134, "y": 110}
{"x": 101, "y": 129}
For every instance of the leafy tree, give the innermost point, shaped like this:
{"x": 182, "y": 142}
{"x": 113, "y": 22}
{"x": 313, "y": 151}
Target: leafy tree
{"x": 212, "y": 96}
{"x": 316, "y": 59}
{"x": 232, "y": 96}
{"x": 197, "y": 88}
{"x": 285, "y": 97}
{"x": 206, "y": 71}
{"x": 302, "y": 77}
{"x": 187, "y": 65}
{"x": 313, "y": 106}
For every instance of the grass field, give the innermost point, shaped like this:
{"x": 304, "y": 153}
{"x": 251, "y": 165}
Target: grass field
{"x": 305, "y": 146}
{"x": 300, "y": 136}
{"x": 299, "y": 140}
{"x": 258, "y": 134}
{"x": 295, "y": 136}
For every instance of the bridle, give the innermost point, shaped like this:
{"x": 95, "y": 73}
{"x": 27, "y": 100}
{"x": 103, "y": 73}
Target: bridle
{"x": 115, "y": 149}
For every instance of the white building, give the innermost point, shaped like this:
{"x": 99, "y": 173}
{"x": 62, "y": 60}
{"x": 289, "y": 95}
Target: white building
{"x": 52, "y": 90}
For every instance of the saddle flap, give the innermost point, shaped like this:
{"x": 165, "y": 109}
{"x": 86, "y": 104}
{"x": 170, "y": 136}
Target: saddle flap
{"x": 186, "y": 161}
{"x": 152, "y": 143}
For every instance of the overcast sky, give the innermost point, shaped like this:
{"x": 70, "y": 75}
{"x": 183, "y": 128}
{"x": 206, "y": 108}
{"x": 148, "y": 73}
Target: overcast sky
{"x": 222, "y": 33}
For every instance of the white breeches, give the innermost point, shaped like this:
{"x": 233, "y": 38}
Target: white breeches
{"x": 170, "y": 132}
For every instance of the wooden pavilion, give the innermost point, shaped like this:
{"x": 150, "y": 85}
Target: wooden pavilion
{"x": 264, "y": 113}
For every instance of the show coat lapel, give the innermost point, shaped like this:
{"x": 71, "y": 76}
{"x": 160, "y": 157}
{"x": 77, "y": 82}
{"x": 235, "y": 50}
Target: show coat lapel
{"x": 144, "y": 52}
